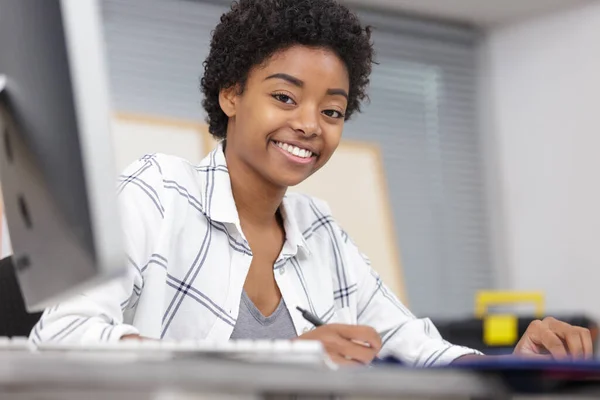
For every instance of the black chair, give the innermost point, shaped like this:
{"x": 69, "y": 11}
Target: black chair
{"x": 14, "y": 319}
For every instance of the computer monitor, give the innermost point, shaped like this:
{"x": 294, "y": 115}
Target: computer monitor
{"x": 56, "y": 167}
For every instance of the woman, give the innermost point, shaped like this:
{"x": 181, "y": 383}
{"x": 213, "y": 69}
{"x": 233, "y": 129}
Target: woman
{"x": 219, "y": 251}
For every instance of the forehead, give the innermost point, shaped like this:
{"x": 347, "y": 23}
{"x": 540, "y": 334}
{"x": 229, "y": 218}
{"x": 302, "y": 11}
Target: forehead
{"x": 312, "y": 65}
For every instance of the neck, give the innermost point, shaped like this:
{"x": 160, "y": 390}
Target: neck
{"x": 257, "y": 201}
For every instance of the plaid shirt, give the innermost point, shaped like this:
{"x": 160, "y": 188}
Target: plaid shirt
{"x": 188, "y": 262}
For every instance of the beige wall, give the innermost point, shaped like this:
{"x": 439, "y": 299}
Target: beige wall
{"x": 137, "y": 135}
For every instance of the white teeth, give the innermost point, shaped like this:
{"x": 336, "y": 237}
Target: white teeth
{"x": 298, "y": 152}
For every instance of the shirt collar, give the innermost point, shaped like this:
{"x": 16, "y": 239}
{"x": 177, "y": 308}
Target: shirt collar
{"x": 293, "y": 235}
{"x": 216, "y": 188}
{"x": 219, "y": 204}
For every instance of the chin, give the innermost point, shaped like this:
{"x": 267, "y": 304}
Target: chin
{"x": 288, "y": 180}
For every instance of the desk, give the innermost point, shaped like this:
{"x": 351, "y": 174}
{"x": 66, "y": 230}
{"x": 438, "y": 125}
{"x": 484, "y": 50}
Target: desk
{"x": 68, "y": 376}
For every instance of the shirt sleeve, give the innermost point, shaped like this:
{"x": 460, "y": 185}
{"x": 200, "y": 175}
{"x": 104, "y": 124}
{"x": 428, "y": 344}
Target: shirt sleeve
{"x": 97, "y": 315}
{"x": 414, "y": 341}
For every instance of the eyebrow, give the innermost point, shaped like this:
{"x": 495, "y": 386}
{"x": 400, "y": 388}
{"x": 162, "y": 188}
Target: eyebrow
{"x": 297, "y": 82}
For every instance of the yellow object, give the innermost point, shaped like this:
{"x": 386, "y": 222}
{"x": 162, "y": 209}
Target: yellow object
{"x": 500, "y": 330}
{"x": 485, "y": 299}
{"x": 503, "y": 329}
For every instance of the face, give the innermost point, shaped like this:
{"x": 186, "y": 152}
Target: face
{"x": 289, "y": 119}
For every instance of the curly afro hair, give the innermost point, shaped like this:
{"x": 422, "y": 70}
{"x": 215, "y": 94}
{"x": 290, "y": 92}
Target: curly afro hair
{"x": 254, "y": 30}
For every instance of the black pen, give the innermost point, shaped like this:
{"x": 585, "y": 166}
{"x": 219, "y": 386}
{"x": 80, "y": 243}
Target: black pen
{"x": 313, "y": 319}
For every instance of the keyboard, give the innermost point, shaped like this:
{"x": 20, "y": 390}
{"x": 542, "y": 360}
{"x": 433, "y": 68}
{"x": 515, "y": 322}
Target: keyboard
{"x": 14, "y": 344}
{"x": 259, "y": 351}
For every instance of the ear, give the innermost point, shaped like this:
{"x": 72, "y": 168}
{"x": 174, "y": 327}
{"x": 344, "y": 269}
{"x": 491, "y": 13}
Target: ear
{"x": 228, "y": 100}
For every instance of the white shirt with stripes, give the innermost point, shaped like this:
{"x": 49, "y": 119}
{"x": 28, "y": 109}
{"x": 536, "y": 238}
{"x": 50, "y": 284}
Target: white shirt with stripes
{"x": 188, "y": 261}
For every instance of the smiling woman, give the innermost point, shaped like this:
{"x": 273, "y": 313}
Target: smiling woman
{"x": 221, "y": 250}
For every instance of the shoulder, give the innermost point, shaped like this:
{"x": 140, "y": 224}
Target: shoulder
{"x": 156, "y": 170}
{"x": 155, "y": 179}
{"x": 157, "y": 166}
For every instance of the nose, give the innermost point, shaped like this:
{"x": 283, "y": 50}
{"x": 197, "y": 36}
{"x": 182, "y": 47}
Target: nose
{"x": 307, "y": 121}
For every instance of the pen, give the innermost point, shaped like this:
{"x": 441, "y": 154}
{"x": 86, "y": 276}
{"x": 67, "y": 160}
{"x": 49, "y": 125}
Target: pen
{"x": 313, "y": 319}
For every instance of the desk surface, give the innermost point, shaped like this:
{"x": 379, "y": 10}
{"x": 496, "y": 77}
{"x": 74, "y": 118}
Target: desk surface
{"x": 21, "y": 373}
{"x": 134, "y": 376}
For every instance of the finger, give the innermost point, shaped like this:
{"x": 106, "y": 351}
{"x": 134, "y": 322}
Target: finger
{"x": 552, "y": 343}
{"x": 341, "y": 360}
{"x": 361, "y": 333}
{"x": 542, "y": 337}
{"x": 560, "y": 328}
{"x": 357, "y": 352}
{"x": 577, "y": 339}
{"x": 588, "y": 344}
{"x": 574, "y": 343}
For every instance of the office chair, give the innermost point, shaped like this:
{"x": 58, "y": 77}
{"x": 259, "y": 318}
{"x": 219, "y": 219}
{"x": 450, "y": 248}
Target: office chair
{"x": 14, "y": 319}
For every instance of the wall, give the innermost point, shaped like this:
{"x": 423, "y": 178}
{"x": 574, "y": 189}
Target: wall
{"x": 540, "y": 82}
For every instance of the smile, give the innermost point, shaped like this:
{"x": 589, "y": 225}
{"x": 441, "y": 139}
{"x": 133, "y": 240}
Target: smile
{"x": 294, "y": 150}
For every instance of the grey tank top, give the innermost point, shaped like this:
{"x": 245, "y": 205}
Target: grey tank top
{"x": 251, "y": 324}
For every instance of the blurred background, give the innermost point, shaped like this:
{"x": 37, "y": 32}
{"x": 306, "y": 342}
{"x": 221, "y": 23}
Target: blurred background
{"x": 477, "y": 153}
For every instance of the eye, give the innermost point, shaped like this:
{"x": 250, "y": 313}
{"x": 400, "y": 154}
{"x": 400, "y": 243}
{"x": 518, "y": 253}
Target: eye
{"x": 284, "y": 98}
{"x": 333, "y": 114}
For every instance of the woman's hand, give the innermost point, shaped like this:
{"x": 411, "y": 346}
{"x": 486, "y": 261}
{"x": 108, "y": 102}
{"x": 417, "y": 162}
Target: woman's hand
{"x": 347, "y": 344}
{"x": 557, "y": 339}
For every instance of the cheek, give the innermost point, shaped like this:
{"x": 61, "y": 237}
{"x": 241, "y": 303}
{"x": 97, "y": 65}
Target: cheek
{"x": 262, "y": 120}
{"x": 272, "y": 119}
{"x": 332, "y": 138}
{"x": 331, "y": 141}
